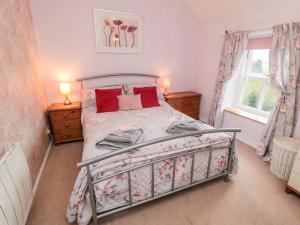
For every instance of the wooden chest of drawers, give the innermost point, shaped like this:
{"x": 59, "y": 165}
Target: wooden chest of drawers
{"x": 65, "y": 122}
{"x": 187, "y": 102}
{"x": 293, "y": 184}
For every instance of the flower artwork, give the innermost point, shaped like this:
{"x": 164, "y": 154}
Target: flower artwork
{"x": 118, "y": 32}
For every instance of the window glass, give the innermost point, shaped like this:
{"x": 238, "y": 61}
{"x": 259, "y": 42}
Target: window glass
{"x": 259, "y": 62}
{"x": 252, "y": 90}
{"x": 270, "y": 99}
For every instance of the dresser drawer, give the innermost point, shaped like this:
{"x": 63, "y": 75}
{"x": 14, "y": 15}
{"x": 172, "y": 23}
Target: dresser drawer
{"x": 186, "y": 103}
{"x": 189, "y": 106}
{"x": 67, "y": 134}
{"x": 192, "y": 113}
{"x": 66, "y": 124}
{"x": 65, "y": 115}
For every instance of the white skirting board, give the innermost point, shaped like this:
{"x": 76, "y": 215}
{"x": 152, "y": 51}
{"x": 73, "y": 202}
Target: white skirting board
{"x": 247, "y": 141}
{"x": 42, "y": 168}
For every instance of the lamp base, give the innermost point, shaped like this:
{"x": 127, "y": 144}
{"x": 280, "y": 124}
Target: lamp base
{"x": 166, "y": 93}
{"x": 67, "y": 101}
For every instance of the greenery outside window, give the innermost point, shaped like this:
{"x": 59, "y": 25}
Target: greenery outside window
{"x": 257, "y": 95}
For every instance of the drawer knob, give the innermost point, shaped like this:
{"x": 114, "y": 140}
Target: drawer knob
{"x": 65, "y": 114}
{"x": 68, "y": 134}
{"x": 67, "y": 125}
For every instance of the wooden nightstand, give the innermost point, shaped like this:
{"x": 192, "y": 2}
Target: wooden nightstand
{"x": 187, "y": 102}
{"x": 65, "y": 122}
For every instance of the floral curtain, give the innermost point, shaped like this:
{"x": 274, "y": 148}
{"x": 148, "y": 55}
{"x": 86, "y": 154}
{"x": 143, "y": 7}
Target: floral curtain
{"x": 284, "y": 76}
{"x": 234, "y": 45}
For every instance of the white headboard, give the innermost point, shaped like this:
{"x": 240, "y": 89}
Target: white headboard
{"x": 117, "y": 79}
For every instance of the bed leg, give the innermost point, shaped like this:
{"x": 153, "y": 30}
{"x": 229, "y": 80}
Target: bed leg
{"x": 227, "y": 178}
{"x": 92, "y": 195}
{"x": 231, "y": 150}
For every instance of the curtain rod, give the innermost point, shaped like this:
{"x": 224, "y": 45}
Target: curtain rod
{"x": 253, "y": 31}
{"x": 264, "y": 32}
{"x": 263, "y": 29}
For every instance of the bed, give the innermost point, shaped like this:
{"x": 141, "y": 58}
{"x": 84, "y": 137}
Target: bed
{"x": 110, "y": 182}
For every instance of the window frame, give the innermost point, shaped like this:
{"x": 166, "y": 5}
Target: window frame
{"x": 245, "y": 74}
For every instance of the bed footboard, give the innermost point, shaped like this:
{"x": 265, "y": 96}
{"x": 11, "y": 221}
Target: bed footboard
{"x": 92, "y": 181}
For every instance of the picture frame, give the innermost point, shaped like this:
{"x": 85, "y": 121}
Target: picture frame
{"x": 118, "y": 31}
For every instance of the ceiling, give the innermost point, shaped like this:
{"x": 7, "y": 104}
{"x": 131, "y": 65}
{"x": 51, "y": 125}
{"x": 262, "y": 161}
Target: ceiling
{"x": 208, "y": 9}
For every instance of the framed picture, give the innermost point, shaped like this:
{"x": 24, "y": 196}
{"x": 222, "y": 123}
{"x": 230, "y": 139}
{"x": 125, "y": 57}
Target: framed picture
{"x": 118, "y": 32}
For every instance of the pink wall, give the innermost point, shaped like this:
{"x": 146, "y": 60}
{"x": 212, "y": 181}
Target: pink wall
{"x": 252, "y": 17}
{"x": 66, "y": 39}
{"x": 22, "y": 93}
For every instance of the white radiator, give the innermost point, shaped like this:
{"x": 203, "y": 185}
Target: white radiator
{"x": 15, "y": 187}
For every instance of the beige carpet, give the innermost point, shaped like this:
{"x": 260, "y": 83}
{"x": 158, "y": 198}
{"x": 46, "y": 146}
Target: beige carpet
{"x": 253, "y": 197}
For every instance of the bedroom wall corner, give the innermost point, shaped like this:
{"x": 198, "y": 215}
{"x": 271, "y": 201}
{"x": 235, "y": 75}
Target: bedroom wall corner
{"x": 22, "y": 93}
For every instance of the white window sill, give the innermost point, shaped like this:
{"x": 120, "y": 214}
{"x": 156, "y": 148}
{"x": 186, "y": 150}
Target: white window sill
{"x": 247, "y": 115}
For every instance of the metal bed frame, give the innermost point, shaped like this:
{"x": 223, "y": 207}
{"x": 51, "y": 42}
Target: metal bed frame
{"x": 191, "y": 152}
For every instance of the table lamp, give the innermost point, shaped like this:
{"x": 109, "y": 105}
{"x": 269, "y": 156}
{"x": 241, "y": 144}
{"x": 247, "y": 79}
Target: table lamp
{"x": 166, "y": 84}
{"x": 65, "y": 90}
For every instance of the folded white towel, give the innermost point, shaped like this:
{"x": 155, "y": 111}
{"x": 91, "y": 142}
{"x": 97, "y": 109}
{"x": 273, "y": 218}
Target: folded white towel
{"x": 121, "y": 139}
{"x": 184, "y": 126}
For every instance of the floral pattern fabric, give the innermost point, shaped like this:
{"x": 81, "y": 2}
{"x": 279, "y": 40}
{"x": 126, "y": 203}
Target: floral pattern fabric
{"x": 284, "y": 75}
{"x": 234, "y": 45}
{"x": 113, "y": 192}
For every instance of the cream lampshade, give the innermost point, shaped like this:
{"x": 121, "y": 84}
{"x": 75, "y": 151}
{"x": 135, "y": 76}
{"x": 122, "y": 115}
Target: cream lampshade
{"x": 65, "y": 90}
{"x": 166, "y": 85}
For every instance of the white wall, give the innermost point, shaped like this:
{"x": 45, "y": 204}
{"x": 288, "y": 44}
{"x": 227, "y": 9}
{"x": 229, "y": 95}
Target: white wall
{"x": 252, "y": 17}
{"x": 66, "y": 40}
{"x": 251, "y": 131}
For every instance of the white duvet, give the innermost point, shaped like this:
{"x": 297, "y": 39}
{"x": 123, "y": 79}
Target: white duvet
{"x": 153, "y": 120}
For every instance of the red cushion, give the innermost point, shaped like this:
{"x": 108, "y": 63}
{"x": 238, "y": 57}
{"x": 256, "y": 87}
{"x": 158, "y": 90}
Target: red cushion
{"x": 106, "y": 99}
{"x": 148, "y": 96}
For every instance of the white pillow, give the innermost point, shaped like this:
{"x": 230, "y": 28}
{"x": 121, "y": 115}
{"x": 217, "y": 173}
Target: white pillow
{"x": 128, "y": 89}
{"x": 88, "y": 98}
{"x": 129, "y": 102}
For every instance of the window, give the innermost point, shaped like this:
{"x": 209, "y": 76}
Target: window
{"x": 257, "y": 95}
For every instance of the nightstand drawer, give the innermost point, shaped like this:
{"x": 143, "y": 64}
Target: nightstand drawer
{"x": 67, "y": 134}
{"x": 66, "y": 124}
{"x": 187, "y": 103}
{"x": 65, "y": 115}
{"x": 192, "y": 113}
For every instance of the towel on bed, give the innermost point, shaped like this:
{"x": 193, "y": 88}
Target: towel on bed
{"x": 121, "y": 139}
{"x": 178, "y": 127}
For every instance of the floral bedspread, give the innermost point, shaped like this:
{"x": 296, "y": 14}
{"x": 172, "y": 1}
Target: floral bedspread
{"x": 114, "y": 192}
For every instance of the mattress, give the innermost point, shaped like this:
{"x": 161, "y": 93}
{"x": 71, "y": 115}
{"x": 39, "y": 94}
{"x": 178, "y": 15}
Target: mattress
{"x": 113, "y": 192}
